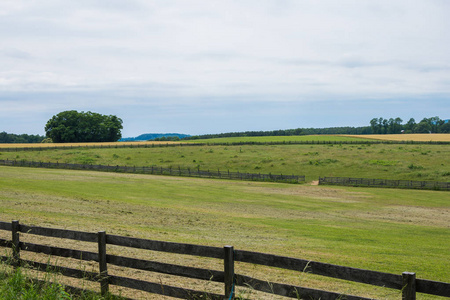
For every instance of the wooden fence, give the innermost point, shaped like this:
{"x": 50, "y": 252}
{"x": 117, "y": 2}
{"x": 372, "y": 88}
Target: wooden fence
{"x": 406, "y": 282}
{"x": 160, "y": 171}
{"x": 406, "y": 184}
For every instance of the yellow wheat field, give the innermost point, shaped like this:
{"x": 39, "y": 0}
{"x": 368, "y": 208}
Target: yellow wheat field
{"x": 60, "y": 145}
{"x": 418, "y": 137}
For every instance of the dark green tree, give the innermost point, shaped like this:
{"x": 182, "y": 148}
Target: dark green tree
{"x": 374, "y": 126}
{"x": 445, "y": 128}
{"x": 436, "y": 123}
{"x": 409, "y": 126}
{"x": 422, "y": 127}
{"x": 72, "y": 127}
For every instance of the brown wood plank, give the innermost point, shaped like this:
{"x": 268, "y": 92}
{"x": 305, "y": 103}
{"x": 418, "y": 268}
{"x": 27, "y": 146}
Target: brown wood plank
{"x": 291, "y": 291}
{"x": 330, "y": 270}
{"x": 164, "y": 268}
{"x": 60, "y": 233}
{"x": 56, "y": 251}
{"x": 179, "y": 248}
{"x": 161, "y": 289}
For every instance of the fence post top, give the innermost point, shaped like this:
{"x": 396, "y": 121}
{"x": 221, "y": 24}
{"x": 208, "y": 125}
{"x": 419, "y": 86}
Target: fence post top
{"x": 409, "y": 273}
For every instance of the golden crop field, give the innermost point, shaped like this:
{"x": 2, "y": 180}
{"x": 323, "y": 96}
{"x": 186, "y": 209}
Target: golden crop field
{"x": 418, "y": 137}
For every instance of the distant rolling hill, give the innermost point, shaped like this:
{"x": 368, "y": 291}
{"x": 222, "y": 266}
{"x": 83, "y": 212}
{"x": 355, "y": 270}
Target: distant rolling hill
{"x": 152, "y": 136}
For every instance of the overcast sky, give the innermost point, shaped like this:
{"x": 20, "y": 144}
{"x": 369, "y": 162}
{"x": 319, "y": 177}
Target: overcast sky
{"x": 198, "y": 67}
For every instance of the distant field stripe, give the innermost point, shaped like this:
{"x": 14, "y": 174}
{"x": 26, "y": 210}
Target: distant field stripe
{"x": 416, "y": 137}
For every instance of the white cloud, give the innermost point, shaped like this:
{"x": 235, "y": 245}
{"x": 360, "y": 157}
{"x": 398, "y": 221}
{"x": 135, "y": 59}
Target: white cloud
{"x": 139, "y": 52}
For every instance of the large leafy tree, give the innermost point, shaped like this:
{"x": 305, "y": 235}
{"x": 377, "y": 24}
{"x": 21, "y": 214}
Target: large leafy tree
{"x": 72, "y": 126}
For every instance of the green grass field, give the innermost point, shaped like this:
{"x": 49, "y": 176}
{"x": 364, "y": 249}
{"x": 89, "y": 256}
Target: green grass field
{"x": 397, "y": 162}
{"x": 386, "y": 230}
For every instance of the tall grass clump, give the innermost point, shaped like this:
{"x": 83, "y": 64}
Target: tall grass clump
{"x": 16, "y": 284}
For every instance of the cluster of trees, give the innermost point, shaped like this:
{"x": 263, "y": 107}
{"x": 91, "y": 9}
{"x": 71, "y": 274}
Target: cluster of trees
{"x": 167, "y": 139}
{"x": 426, "y": 125}
{"x": 247, "y": 133}
{"x": 377, "y": 126}
{"x": 72, "y": 127}
{"x": 287, "y": 132}
{"x": 20, "y": 138}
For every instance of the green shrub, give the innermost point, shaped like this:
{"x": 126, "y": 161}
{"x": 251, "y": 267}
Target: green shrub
{"x": 414, "y": 167}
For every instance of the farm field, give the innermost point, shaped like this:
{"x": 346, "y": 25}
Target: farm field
{"x": 383, "y": 161}
{"x": 435, "y": 137}
{"x": 379, "y": 229}
{"x": 418, "y": 137}
{"x": 280, "y": 139}
{"x": 69, "y": 145}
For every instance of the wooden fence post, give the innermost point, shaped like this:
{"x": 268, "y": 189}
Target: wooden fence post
{"x": 103, "y": 268}
{"x": 409, "y": 286}
{"x": 229, "y": 272}
{"x": 15, "y": 243}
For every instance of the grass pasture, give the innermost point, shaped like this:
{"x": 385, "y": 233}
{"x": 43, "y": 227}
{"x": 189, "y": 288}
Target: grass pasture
{"x": 387, "y": 230}
{"x": 379, "y": 229}
{"x": 384, "y": 161}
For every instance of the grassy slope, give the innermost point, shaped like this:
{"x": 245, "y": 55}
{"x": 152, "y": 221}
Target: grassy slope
{"x": 409, "y": 162}
{"x": 380, "y": 229}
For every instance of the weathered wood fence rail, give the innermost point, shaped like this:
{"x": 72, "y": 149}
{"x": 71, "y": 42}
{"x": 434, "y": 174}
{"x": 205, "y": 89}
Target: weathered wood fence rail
{"x": 407, "y": 184}
{"x": 159, "y": 171}
{"x": 407, "y": 282}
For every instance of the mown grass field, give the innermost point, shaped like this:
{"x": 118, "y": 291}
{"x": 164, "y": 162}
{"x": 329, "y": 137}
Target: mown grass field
{"x": 397, "y": 162}
{"x": 386, "y": 230}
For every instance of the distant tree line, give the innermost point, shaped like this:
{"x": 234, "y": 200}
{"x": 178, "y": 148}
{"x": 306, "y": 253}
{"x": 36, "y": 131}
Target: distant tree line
{"x": 20, "y": 138}
{"x": 288, "y": 132}
{"x": 377, "y": 126}
{"x": 392, "y": 126}
{"x": 167, "y": 139}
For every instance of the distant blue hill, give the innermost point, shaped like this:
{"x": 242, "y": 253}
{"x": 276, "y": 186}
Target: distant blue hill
{"x": 152, "y": 136}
